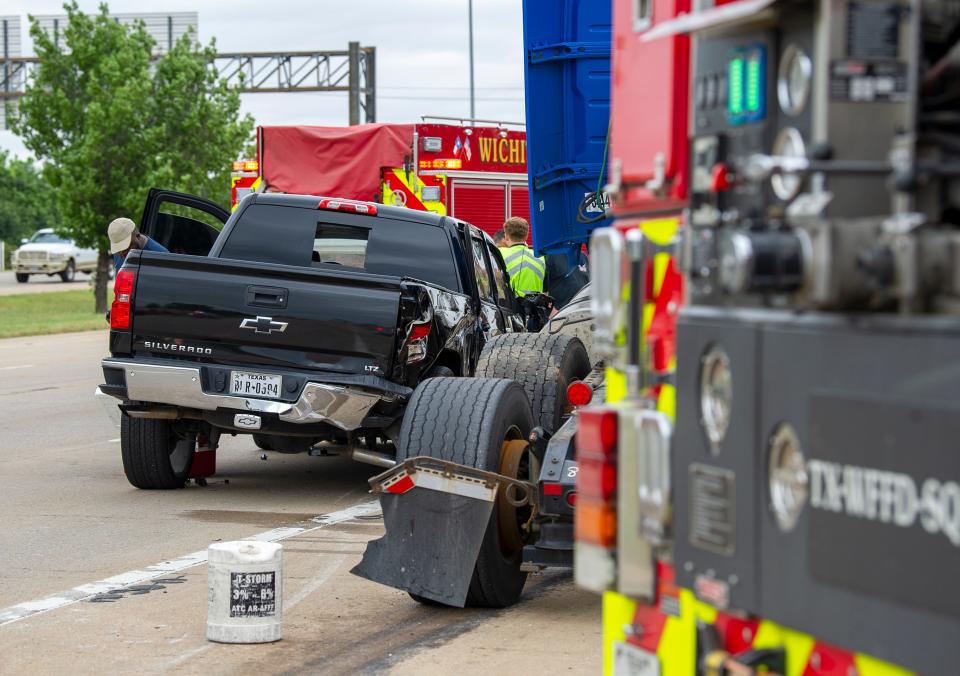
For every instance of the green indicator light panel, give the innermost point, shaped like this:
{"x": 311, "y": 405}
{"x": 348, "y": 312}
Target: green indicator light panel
{"x": 747, "y": 85}
{"x": 735, "y": 80}
{"x": 753, "y": 85}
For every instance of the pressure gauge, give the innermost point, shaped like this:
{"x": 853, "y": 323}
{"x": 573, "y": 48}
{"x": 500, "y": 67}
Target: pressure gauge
{"x": 716, "y": 395}
{"x": 793, "y": 80}
{"x": 788, "y": 478}
{"x": 789, "y": 144}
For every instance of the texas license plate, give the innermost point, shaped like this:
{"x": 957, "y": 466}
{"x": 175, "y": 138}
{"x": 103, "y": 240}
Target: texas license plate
{"x": 630, "y": 660}
{"x": 255, "y": 384}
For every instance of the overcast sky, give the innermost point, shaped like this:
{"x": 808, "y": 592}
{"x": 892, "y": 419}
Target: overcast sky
{"x": 422, "y": 51}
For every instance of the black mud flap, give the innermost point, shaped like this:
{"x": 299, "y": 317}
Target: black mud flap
{"x": 436, "y": 514}
{"x": 431, "y": 546}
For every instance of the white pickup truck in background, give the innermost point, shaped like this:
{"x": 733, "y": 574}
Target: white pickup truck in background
{"x": 50, "y": 254}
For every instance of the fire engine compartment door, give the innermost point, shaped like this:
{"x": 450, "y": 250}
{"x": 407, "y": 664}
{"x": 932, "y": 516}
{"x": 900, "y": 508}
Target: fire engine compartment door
{"x": 479, "y": 203}
{"x": 568, "y": 61}
{"x": 876, "y": 408}
{"x": 892, "y": 470}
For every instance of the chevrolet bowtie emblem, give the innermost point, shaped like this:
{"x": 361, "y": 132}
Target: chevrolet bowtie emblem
{"x": 263, "y": 325}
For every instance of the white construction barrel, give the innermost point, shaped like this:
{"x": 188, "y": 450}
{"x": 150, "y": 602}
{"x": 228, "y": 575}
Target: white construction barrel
{"x": 245, "y": 592}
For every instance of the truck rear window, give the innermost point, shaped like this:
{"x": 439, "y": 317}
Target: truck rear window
{"x": 340, "y": 245}
{"x": 268, "y": 233}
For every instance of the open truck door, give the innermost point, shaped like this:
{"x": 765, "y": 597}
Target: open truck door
{"x": 182, "y": 223}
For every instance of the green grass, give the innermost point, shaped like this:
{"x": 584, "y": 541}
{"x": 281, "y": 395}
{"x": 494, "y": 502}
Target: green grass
{"x": 31, "y": 314}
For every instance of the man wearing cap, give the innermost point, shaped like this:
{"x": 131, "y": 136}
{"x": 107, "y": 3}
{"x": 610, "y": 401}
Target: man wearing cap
{"x": 124, "y": 236}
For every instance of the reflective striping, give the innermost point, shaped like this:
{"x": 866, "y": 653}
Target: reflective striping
{"x": 398, "y": 191}
{"x": 512, "y": 257}
{"x": 526, "y": 271}
{"x": 676, "y": 642}
{"x": 22, "y": 611}
{"x": 523, "y": 254}
{"x": 525, "y": 260}
{"x": 527, "y": 265}
{"x": 618, "y": 613}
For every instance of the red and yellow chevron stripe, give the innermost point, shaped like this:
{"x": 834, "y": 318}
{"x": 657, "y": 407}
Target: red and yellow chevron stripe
{"x": 672, "y": 636}
{"x": 398, "y": 190}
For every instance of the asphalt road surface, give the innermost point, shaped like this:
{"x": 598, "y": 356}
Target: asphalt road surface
{"x": 71, "y": 521}
{"x": 40, "y": 284}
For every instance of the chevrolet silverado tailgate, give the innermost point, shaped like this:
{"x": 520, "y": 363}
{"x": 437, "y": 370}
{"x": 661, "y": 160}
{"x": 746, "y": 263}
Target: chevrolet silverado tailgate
{"x": 229, "y": 311}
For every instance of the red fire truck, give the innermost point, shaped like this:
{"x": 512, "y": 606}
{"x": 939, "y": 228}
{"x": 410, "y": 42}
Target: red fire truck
{"x": 714, "y": 554}
{"x": 475, "y": 170}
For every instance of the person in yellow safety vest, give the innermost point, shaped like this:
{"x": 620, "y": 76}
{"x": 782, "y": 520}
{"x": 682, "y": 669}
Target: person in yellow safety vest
{"x": 526, "y": 270}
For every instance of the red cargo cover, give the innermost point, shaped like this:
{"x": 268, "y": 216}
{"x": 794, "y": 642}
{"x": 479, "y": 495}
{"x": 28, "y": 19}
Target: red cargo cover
{"x": 334, "y": 161}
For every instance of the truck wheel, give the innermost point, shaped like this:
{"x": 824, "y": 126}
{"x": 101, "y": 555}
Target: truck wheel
{"x": 22, "y": 277}
{"x": 154, "y": 456}
{"x": 482, "y": 423}
{"x": 70, "y": 272}
{"x": 544, "y": 364}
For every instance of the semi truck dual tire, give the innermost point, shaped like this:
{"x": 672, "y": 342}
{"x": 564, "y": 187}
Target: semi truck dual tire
{"x": 543, "y": 364}
{"x": 154, "y": 456}
{"x": 473, "y": 421}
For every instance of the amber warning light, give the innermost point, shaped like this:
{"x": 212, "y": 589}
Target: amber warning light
{"x": 246, "y": 165}
{"x": 441, "y": 164}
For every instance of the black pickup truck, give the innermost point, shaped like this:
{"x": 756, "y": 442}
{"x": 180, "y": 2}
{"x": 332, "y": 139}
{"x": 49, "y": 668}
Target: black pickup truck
{"x": 304, "y": 321}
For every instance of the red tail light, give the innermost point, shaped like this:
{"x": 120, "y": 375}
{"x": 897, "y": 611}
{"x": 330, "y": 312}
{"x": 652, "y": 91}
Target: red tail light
{"x": 596, "y": 479}
{"x": 579, "y": 393}
{"x": 597, "y": 434}
{"x": 420, "y": 331}
{"x": 417, "y": 341}
{"x": 348, "y": 205}
{"x": 122, "y": 299}
{"x": 595, "y": 519}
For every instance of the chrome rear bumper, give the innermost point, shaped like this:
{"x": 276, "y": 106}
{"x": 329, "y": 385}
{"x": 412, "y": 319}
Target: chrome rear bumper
{"x": 341, "y": 406}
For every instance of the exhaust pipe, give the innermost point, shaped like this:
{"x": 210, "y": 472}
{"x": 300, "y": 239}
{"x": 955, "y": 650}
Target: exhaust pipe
{"x": 372, "y": 457}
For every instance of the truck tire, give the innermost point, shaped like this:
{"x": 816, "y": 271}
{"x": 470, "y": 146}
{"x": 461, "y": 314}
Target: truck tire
{"x": 70, "y": 272}
{"x": 470, "y": 421}
{"x": 543, "y": 364}
{"x": 154, "y": 456}
{"x": 22, "y": 277}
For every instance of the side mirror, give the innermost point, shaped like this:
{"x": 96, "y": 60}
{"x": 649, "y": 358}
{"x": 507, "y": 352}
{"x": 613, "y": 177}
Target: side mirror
{"x": 24, "y": 240}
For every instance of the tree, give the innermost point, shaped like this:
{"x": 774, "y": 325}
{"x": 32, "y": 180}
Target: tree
{"x": 27, "y": 202}
{"x": 110, "y": 121}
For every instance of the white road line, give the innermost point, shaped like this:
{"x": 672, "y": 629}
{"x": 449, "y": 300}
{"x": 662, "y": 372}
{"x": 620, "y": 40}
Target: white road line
{"x": 114, "y": 441}
{"x": 11, "y": 368}
{"x": 27, "y": 609}
{"x": 330, "y": 566}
